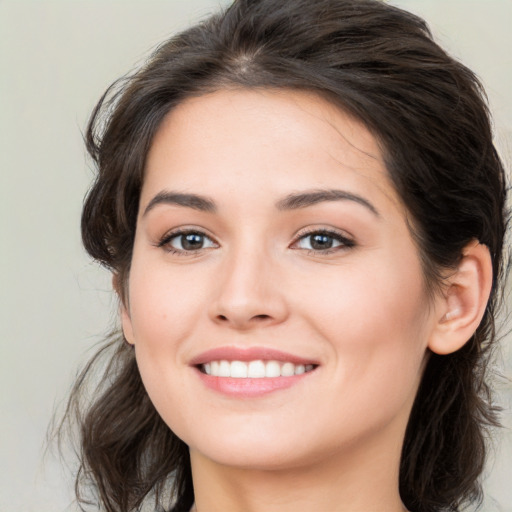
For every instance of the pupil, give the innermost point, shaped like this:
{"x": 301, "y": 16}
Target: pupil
{"x": 321, "y": 242}
{"x": 192, "y": 241}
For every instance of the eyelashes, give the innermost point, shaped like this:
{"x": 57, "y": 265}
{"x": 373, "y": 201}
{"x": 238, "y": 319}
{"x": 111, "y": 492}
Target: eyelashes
{"x": 315, "y": 241}
{"x": 322, "y": 241}
{"x": 186, "y": 240}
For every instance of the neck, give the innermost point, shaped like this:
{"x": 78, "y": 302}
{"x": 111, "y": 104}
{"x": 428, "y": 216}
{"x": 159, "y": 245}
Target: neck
{"x": 352, "y": 481}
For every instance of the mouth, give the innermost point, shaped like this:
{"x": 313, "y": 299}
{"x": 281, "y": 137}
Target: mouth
{"x": 251, "y": 372}
{"x": 256, "y": 369}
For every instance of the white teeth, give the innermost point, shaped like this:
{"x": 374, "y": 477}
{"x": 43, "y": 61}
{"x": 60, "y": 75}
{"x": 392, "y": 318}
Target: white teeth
{"x": 254, "y": 369}
{"x": 272, "y": 369}
{"x": 224, "y": 369}
{"x": 239, "y": 369}
{"x": 288, "y": 369}
{"x": 300, "y": 368}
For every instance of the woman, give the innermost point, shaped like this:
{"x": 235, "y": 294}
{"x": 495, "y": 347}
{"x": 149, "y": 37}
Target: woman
{"x": 304, "y": 215}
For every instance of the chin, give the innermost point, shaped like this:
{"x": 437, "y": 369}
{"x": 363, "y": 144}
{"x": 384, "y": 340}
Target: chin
{"x": 262, "y": 450}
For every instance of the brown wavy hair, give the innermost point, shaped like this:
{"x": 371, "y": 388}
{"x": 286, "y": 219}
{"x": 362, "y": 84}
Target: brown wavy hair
{"x": 428, "y": 111}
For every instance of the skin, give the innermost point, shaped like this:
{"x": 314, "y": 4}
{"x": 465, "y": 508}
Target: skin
{"x": 332, "y": 441}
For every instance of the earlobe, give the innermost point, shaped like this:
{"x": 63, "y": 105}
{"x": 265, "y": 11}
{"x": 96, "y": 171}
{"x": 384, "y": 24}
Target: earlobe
{"x": 464, "y": 300}
{"x": 126, "y": 322}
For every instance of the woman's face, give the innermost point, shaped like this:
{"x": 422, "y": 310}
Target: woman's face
{"x": 275, "y": 299}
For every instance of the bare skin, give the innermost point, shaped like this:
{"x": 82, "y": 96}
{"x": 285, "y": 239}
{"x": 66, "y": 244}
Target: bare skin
{"x": 332, "y": 279}
{"x": 364, "y": 483}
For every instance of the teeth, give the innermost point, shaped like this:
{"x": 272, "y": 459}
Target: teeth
{"x": 224, "y": 369}
{"x": 254, "y": 369}
{"x": 272, "y": 369}
{"x": 288, "y": 369}
{"x": 239, "y": 370}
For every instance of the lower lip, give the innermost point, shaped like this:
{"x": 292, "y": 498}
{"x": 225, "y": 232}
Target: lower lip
{"x": 249, "y": 388}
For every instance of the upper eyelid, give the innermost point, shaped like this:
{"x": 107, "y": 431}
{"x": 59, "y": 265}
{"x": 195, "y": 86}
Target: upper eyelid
{"x": 302, "y": 233}
{"x": 171, "y": 233}
{"x": 324, "y": 230}
{"x": 188, "y": 231}
{"x": 346, "y": 240}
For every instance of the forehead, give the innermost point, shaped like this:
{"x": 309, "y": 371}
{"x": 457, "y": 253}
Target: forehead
{"x": 241, "y": 140}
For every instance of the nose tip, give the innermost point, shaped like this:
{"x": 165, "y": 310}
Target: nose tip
{"x": 247, "y": 297}
{"x": 241, "y": 320}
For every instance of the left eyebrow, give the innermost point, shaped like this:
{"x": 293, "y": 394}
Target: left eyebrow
{"x": 311, "y": 197}
{"x": 194, "y": 201}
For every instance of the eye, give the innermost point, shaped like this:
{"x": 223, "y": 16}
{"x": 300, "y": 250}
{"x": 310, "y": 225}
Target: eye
{"x": 323, "y": 241}
{"x": 186, "y": 241}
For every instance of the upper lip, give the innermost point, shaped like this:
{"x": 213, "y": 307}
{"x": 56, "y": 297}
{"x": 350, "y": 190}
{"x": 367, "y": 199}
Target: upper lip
{"x": 248, "y": 354}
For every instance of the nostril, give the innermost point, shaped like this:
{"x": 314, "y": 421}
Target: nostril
{"x": 261, "y": 317}
{"x": 257, "y": 318}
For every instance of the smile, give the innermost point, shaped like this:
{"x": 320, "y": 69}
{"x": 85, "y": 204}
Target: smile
{"x": 257, "y": 369}
{"x": 251, "y": 372}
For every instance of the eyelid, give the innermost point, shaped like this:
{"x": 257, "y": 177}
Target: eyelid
{"x": 346, "y": 239}
{"x": 164, "y": 240}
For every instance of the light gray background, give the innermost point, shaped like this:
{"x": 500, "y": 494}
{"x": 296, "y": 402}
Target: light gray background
{"x": 56, "y": 58}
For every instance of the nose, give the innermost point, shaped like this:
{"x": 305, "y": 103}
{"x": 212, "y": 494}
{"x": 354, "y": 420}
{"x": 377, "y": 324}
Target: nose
{"x": 248, "y": 294}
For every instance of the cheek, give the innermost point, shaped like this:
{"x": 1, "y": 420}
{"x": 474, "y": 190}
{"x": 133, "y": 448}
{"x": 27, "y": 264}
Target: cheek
{"x": 165, "y": 307}
{"x": 385, "y": 301}
{"x": 164, "y": 304}
{"x": 375, "y": 320}
{"x": 164, "y": 310}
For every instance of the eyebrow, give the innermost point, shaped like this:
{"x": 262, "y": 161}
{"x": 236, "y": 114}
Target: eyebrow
{"x": 292, "y": 201}
{"x": 194, "y": 201}
{"x": 311, "y": 197}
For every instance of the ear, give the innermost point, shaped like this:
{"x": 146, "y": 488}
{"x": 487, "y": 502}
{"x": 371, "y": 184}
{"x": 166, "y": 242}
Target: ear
{"x": 463, "y": 302}
{"x": 124, "y": 311}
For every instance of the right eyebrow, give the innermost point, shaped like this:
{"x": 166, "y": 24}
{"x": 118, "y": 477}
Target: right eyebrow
{"x": 311, "y": 197}
{"x": 194, "y": 201}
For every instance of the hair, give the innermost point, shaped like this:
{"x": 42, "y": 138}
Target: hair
{"x": 381, "y": 65}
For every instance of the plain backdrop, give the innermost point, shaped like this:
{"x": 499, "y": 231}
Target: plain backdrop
{"x": 56, "y": 58}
